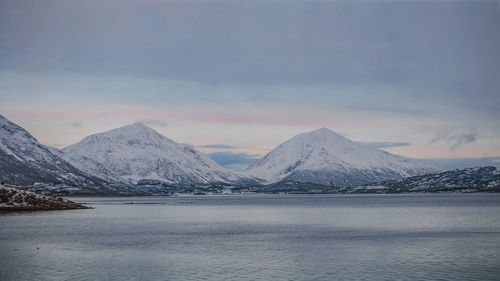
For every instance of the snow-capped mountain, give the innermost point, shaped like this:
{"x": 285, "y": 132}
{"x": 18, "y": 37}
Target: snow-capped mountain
{"x": 24, "y": 161}
{"x": 325, "y": 157}
{"x": 137, "y": 152}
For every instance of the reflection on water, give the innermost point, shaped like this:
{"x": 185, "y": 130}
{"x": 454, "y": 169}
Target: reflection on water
{"x": 271, "y": 237}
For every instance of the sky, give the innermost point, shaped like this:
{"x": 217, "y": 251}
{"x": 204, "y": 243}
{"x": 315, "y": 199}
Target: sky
{"x": 237, "y": 78}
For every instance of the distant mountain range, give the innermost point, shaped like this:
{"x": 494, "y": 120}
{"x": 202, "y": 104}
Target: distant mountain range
{"x": 136, "y": 159}
{"x": 480, "y": 179}
{"x": 463, "y": 180}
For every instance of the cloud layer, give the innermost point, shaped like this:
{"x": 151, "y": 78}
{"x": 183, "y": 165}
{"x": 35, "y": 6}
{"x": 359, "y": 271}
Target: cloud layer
{"x": 255, "y": 73}
{"x": 386, "y": 144}
{"x": 454, "y": 138}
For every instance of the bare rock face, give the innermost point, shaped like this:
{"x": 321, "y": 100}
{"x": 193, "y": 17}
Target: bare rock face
{"x": 12, "y": 199}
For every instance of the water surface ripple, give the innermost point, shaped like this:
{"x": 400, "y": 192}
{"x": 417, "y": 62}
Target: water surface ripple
{"x": 258, "y": 237}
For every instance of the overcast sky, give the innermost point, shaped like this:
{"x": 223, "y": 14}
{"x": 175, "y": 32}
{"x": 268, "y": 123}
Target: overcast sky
{"x": 247, "y": 75}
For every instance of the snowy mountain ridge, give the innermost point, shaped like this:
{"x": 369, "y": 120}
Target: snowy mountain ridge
{"x": 24, "y": 161}
{"x": 325, "y": 157}
{"x": 136, "y": 152}
{"x": 478, "y": 179}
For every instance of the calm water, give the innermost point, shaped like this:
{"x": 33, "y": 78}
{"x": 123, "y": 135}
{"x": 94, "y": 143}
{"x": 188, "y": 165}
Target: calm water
{"x": 271, "y": 237}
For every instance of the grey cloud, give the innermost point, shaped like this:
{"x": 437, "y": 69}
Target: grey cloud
{"x": 458, "y": 163}
{"x": 448, "y": 57}
{"x": 455, "y": 138}
{"x": 386, "y": 144}
{"x": 261, "y": 42}
{"x": 101, "y": 115}
{"x": 76, "y": 124}
{"x": 463, "y": 139}
{"x": 219, "y": 146}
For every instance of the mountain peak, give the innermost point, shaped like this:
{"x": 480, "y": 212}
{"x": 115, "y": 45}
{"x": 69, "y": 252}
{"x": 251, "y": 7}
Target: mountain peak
{"x": 14, "y": 131}
{"x": 133, "y": 131}
{"x": 325, "y": 157}
{"x": 320, "y": 137}
{"x": 133, "y": 134}
{"x": 137, "y": 152}
{"x": 5, "y": 120}
{"x": 324, "y": 132}
{"x": 137, "y": 126}
{"x": 25, "y": 161}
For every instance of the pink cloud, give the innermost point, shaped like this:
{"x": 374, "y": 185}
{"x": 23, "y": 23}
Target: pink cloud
{"x": 213, "y": 114}
{"x": 52, "y": 125}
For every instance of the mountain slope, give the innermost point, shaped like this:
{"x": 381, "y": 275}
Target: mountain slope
{"x": 24, "y": 161}
{"x": 325, "y": 157}
{"x": 464, "y": 180}
{"x": 137, "y": 152}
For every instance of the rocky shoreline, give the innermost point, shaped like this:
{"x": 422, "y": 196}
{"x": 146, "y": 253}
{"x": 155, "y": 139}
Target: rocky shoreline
{"x": 12, "y": 199}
